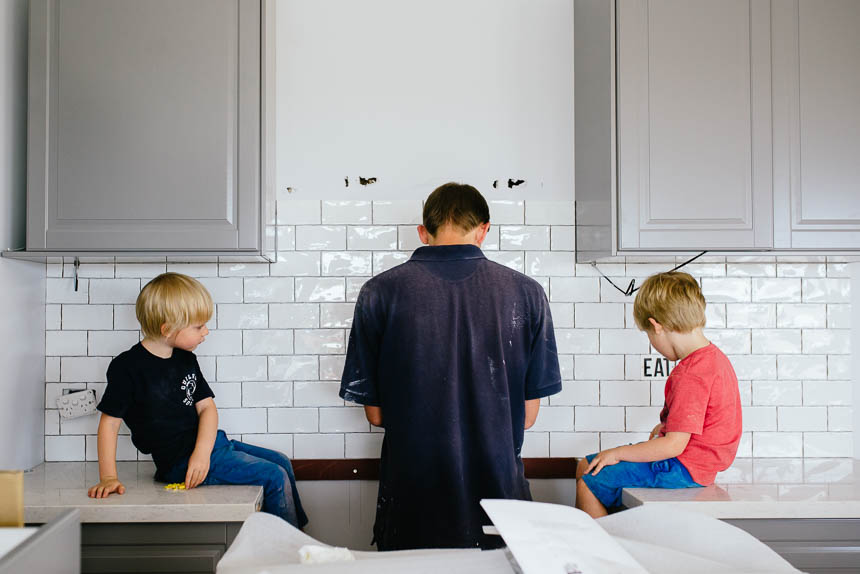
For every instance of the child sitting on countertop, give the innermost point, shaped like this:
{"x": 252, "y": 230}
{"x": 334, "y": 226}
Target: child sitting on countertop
{"x": 157, "y": 388}
{"x": 700, "y": 425}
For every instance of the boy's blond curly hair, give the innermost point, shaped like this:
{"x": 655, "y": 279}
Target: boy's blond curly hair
{"x": 175, "y": 300}
{"x": 673, "y": 299}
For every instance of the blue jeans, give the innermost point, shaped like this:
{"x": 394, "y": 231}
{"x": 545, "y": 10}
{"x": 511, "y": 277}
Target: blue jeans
{"x": 611, "y": 480}
{"x": 234, "y": 462}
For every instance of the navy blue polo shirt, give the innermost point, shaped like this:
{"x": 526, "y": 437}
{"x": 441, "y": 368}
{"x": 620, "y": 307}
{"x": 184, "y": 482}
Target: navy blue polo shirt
{"x": 450, "y": 345}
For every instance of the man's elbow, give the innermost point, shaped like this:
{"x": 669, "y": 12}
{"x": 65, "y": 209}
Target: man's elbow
{"x": 530, "y": 422}
{"x": 374, "y": 415}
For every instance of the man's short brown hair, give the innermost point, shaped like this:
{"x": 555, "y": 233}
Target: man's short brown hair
{"x": 457, "y": 204}
{"x": 673, "y": 299}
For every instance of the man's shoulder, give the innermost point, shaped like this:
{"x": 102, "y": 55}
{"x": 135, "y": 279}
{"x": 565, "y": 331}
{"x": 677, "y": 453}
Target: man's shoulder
{"x": 514, "y": 277}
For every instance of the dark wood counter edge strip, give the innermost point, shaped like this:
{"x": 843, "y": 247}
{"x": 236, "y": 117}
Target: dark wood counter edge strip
{"x": 368, "y": 468}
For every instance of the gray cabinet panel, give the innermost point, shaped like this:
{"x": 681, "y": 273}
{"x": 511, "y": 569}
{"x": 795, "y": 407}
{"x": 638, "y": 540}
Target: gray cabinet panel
{"x": 817, "y": 123}
{"x": 144, "y": 125}
{"x": 693, "y": 105}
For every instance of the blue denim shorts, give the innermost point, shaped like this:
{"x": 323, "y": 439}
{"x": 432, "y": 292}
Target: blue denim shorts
{"x": 609, "y": 482}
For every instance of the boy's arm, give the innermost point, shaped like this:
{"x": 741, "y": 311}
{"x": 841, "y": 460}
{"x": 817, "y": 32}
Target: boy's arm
{"x": 207, "y": 429}
{"x": 661, "y": 448}
{"x": 108, "y": 481}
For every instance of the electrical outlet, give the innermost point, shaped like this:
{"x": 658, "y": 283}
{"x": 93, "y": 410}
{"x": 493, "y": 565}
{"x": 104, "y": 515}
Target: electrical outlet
{"x": 77, "y": 404}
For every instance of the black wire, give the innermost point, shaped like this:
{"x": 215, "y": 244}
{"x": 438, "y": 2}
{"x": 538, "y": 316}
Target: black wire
{"x": 631, "y": 287}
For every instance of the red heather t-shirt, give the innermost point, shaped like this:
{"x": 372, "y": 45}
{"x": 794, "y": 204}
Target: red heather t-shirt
{"x": 702, "y": 399}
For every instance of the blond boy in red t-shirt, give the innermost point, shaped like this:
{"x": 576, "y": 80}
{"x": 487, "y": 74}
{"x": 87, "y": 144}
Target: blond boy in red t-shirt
{"x": 700, "y": 425}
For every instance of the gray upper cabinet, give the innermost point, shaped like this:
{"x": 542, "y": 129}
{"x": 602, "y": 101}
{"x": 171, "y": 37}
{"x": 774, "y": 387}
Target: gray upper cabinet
{"x": 694, "y": 124}
{"x": 816, "y": 113}
{"x": 144, "y": 125}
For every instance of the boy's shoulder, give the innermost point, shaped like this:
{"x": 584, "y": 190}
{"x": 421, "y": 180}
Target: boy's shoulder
{"x": 708, "y": 362}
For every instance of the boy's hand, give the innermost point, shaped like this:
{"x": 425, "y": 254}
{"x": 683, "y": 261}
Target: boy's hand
{"x": 655, "y": 433}
{"x": 198, "y": 469}
{"x": 105, "y": 487}
{"x": 601, "y": 459}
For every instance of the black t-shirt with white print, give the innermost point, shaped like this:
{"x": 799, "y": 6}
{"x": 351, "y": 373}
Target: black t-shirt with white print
{"x": 155, "y": 397}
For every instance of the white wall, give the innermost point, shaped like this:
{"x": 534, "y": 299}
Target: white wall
{"x": 419, "y": 93}
{"x": 22, "y": 284}
{"x": 855, "y": 350}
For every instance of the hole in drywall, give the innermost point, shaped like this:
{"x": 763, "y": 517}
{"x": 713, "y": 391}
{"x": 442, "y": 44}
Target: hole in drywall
{"x": 512, "y": 183}
{"x": 495, "y": 184}
{"x": 366, "y": 180}
{"x": 346, "y": 182}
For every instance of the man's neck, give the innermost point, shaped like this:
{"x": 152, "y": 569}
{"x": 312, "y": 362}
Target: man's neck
{"x": 158, "y": 347}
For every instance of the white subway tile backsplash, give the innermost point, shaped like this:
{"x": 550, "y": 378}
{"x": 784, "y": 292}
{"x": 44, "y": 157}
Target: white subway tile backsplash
{"x": 575, "y": 289}
{"x": 269, "y": 290}
{"x": 294, "y": 316}
{"x": 296, "y": 264}
{"x": 550, "y": 263}
{"x": 320, "y": 237}
{"x": 835, "y": 290}
{"x": 315, "y": 290}
{"x": 784, "y": 290}
{"x": 370, "y": 238}
{"x": 299, "y": 212}
{"x": 110, "y": 343}
{"x": 577, "y": 340}
{"x": 346, "y": 212}
{"x": 750, "y": 315}
{"x": 224, "y": 289}
{"x": 336, "y": 315}
{"x": 293, "y": 368}
{"x": 236, "y": 369}
{"x": 363, "y": 445}
{"x": 549, "y": 213}
{"x": 83, "y": 317}
{"x": 776, "y": 341}
{"x": 65, "y": 343}
{"x": 384, "y": 261}
{"x": 397, "y": 212}
{"x": 827, "y": 444}
{"x": 343, "y": 263}
{"x": 276, "y": 359}
{"x": 221, "y": 342}
{"x": 777, "y": 444}
{"x": 120, "y": 291}
{"x": 802, "y": 367}
{"x": 826, "y": 393}
{"x": 320, "y": 341}
{"x": 267, "y": 394}
{"x": 267, "y": 342}
{"x": 518, "y": 238}
{"x": 319, "y": 446}
{"x": 777, "y": 393}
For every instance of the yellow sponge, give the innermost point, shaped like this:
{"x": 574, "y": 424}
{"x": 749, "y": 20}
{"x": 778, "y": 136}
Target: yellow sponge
{"x": 175, "y": 486}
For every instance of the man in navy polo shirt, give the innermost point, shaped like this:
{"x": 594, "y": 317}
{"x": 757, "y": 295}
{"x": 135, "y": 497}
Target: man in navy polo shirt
{"x": 451, "y": 354}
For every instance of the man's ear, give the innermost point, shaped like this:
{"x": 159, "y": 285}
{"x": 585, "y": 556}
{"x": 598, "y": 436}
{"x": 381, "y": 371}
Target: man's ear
{"x": 424, "y": 235}
{"x": 481, "y": 234}
{"x": 658, "y": 328}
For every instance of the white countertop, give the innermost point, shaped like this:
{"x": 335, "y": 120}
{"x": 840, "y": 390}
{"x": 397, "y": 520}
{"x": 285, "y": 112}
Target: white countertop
{"x": 53, "y": 487}
{"x": 768, "y": 488}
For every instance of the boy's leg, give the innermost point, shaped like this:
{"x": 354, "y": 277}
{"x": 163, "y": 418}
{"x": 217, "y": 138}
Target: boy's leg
{"x": 587, "y": 502}
{"x": 281, "y": 460}
{"x": 230, "y": 466}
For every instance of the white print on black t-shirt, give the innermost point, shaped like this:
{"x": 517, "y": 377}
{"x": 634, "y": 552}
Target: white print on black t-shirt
{"x": 189, "y": 385}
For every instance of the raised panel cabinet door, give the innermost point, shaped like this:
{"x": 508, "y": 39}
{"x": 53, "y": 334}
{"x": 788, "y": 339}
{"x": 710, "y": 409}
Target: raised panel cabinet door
{"x": 694, "y": 127}
{"x": 816, "y": 63}
{"x": 144, "y": 125}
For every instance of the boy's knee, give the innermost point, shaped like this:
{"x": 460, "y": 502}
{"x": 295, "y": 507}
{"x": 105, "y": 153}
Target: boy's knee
{"x": 581, "y": 467}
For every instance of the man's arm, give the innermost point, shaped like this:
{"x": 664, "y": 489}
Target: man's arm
{"x": 661, "y": 448}
{"x": 108, "y": 481}
{"x": 207, "y": 429}
{"x": 374, "y": 415}
{"x": 532, "y": 408}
